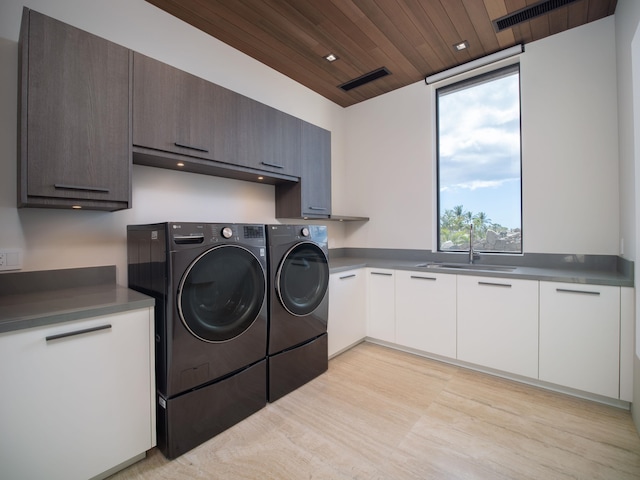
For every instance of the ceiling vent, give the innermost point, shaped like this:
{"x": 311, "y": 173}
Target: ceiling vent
{"x": 366, "y": 78}
{"x": 528, "y": 13}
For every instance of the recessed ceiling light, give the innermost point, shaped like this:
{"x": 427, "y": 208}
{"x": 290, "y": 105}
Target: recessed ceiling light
{"x": 331, "y": 57}
{"x": 461, "y": 46}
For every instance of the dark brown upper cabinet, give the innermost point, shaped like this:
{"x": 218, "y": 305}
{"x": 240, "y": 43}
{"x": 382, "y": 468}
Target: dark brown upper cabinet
{"x": 311, "y": 196}
{"x": 268, "y": 139}
{"x": 74, "y": 136}
{"x": 184, "y": 122}
{"x": 87, "y": 107}
{"x": 176, "y": 112}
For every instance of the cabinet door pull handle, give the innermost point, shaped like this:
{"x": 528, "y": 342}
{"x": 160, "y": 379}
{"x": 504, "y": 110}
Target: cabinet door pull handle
{"x": 191, "y": 147}
{"x": 382, "y": 273}
{"x": 423, "y": 278}
{"x": 77, "y": 332}
{"x": 272, "y": 165}
{"x": 348, "y": 276}
{"x": 584, "y": 292}
{"x": 317, "y": 208}
{"x": 491, "y": 284}
{"x": 61, "y": 186}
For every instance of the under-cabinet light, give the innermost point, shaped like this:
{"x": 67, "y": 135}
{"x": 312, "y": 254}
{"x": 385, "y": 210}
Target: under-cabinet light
{"x": 76, "y": 207}
{"x": 478, "y": 62}
{"x": 180, "y": 164}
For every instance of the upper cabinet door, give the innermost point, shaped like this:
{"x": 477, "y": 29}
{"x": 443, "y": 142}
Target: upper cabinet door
{"x": 268, "y": 139}
{"x": 316, "y": 171}
{"x": 176, "y": 112}
{"x": 75, "y": 146}
{"x": 311, "y": 196}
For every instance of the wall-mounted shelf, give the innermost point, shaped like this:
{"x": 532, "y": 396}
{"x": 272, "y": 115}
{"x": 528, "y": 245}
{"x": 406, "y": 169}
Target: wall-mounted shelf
{"x": 329, "y": 218}
{"x": 340, "y": 218}
{"x": 347, "y": 218}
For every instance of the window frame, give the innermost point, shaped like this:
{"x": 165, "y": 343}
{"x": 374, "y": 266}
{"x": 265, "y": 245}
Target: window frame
{"x": 471, "y": 79}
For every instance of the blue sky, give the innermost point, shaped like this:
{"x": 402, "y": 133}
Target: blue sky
{"x": 479, "y": 144}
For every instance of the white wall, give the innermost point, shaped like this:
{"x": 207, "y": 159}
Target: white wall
{"x": 569, "y": 141}
{"x": 389, "y": 174}
{"x": 627, "y": 21}
{"x": 53, "y": 239}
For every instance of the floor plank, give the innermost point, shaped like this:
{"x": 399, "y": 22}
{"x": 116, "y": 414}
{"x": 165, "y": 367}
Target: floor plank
{"x": 383, "y": 414}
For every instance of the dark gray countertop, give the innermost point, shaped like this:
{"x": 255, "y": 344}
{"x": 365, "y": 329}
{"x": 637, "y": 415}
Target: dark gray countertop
{"x": 592, "y": 271}
{"x": 32, "y": 299}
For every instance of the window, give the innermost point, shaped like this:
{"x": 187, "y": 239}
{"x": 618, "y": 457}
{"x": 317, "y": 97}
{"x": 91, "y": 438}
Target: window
{"x": 479, "y": 163}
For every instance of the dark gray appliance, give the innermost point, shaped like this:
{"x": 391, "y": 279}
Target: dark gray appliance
{"x": 298, "y": 306}
{"x": 209, "y": 282}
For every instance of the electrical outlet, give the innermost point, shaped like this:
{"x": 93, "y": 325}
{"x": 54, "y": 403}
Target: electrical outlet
{"x": 10, "y": 259}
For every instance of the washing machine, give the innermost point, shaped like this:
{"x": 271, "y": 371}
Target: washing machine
{"x": 298, "y": 306}
{"x": 210, "y": 285}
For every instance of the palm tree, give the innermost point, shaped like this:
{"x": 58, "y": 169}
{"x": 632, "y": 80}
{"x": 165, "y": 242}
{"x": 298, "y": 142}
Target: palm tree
{"x": 481, "y": 223}
{"x": 454, "y": 225}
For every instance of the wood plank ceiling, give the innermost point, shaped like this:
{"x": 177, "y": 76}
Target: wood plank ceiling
{"x": 411, "y": 38}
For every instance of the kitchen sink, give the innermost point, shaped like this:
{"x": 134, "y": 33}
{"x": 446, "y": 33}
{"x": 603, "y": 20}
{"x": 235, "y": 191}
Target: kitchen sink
{"x": 467, "y": 266}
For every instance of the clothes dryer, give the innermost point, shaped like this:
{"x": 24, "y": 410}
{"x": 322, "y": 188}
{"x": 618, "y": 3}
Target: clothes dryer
{"x": 298, "y": 306}
{"x": 209, "y": 282}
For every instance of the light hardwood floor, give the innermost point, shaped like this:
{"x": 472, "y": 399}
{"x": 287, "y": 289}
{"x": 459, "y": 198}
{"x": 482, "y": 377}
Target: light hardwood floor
{"x": 383, "y": 414}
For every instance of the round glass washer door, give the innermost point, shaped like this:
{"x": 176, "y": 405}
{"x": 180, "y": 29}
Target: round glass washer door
{"x": 221, "y": 293}
{"x": 302, "y": 278}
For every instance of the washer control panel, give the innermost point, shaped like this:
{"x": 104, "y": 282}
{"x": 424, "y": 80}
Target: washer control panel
{"x": 212, "y": 233}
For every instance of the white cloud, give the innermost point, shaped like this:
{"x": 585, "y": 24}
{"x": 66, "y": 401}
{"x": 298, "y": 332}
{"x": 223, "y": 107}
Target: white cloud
{"x": 479, "y": 135}
{"x": 476, "y": 184}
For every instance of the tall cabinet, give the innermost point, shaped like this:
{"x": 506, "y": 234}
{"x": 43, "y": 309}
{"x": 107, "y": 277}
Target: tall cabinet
{"x": 75, "y": 144}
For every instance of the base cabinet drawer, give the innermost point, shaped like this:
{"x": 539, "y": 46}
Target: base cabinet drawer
{"x": 498, "y": 323}
{"x": 381, "y": 323}
{"x": 426, "y": 312}
{"x": 580, "y": 336}
{"x": 347, "y": 309}
{"x": 77, "y": 397}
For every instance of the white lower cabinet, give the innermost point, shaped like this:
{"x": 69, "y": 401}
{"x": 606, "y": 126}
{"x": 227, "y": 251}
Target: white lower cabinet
{"x": 572, "y": 335}
{"x": 627, "y": 342}
{"x": 347, "y": 309}
{"x": 76, "y": 406}
{"x": 498, "y": 323}
{"x": 426, "y": 312}
{"x": 580, "y": 336}
{"x": 381, "y": 323}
